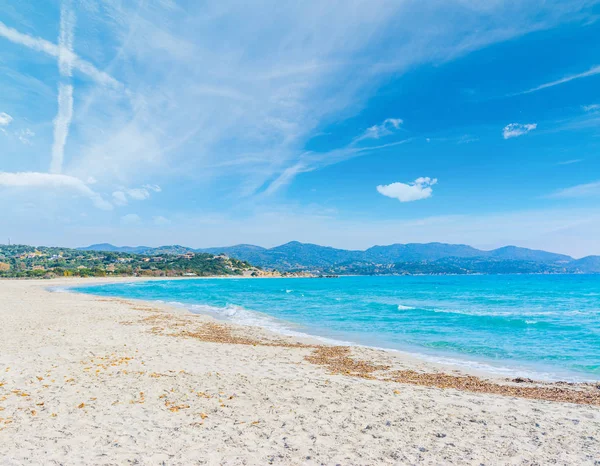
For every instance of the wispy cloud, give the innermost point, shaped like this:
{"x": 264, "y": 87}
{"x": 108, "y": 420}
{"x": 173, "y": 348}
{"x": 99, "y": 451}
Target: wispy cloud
{"x": 591, "y": 108}
{"x": 578, "y": 191}
{"x": 570, "y": 162}
{"x": 311, "y": 161}
{"x": 591, "y": 72}
{"x": 251, "y": 126}
{"x": 25, "y": 136}
{"x": 122, "y": 197}
{"x": 35, "y": 180}
{"x": 286, "y": 177}
{"x": 514, "y": 130}
{"x": 389, "y": 126}
{"x": 5, "y": 119}
{"x": 409, "y": 192}
{"x": 49, "y": 48}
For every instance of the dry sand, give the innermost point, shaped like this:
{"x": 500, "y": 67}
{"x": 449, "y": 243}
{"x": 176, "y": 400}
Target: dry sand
{"x": 87, "y": 380}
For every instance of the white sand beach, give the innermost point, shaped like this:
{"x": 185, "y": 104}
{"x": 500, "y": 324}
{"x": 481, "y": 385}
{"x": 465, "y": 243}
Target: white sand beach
{"x": 89, "y": 380}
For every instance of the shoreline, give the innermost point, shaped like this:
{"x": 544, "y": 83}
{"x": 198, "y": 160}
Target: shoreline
{"x": 93, "y": 380}
{"x": 434, "y": 362}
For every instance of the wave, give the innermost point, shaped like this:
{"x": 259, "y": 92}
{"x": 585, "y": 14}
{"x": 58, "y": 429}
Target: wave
{"x": 475, "y": 315}
{"x": 59, "y": 289}
{"x": 242, "y": 316}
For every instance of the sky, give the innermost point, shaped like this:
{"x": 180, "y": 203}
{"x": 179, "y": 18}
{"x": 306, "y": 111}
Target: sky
{"x": 343, "y": 123}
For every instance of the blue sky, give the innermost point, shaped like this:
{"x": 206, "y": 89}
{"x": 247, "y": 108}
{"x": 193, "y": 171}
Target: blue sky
{"x": 343, "y": 123}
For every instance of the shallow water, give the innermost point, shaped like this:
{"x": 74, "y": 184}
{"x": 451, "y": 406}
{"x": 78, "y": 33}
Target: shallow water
{"x": 545, "y": 326}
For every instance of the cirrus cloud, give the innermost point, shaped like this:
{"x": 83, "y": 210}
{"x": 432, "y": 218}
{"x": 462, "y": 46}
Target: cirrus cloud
{"x": 122, "y": 197}
{"x": 578, "y": 191}
{"x": 35, "y": 180}
{"x": 389, "y": 126}
{"x": 514, "y": 130}
{"x": 409, "y": 192}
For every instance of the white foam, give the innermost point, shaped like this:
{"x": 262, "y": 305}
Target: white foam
{"x": 59, "y": 289}
{"x": 242, "y": 316}
{"x": 402, "y": 307}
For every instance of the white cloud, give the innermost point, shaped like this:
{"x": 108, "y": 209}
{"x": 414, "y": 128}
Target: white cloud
{"x": 591, "y": 72}
{"x": 591, "y": 108}
{"x": 123, "y": 196}
{"x": 138, "y": 194}
{"x": 514, "y": 130}
{"x": 5, "y": 119}
{"x": 579, "y": 191}
{"x": 130, "y": 219}
{"x": 286, "y": 177}
{"x": 389, "y": 126}
{"x": 34, "y": 180}
{"x": 408, "y": 192}
{"x": 25, "y": 136}
{"x": 153, "y": 187}
{"x": 161, "y": 221}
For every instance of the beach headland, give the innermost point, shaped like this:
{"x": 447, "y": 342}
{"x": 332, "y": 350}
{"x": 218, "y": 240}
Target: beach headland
{"x": 90, "y": 380}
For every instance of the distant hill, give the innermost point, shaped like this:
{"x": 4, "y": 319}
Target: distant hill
{"x": 515, "y": 253}
{"x": 105, "y": 247}
{"x": 589, "y": 264}
{"x": 395, "y": 258}
{"x": 417, "y": 252}
{"x": 23, "y": 261}
{"x": 146, "y": 250}
{"x": 255, "y": 254}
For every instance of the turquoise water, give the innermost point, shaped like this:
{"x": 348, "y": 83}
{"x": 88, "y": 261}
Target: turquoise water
{"x": 546, "y": 326}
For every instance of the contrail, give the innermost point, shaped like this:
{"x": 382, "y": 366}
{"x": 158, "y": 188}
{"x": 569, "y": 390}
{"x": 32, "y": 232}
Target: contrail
{"x": 591, "y": 72}
{"x": 62, "y": 122}
{"x": 47, "y": 47}
{"x": 65, "y": 40}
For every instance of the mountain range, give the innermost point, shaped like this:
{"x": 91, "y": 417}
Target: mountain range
{"x": 395, "y": 258}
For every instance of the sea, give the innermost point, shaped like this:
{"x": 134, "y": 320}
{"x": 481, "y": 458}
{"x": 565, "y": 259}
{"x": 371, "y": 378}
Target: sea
{"x": 545, "y": 327}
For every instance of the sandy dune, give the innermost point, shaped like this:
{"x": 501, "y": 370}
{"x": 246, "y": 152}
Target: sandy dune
{"x": 86, "y": 380}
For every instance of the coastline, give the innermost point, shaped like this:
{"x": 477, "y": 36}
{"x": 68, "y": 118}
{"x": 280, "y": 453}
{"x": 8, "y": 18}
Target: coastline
{"x": 157, "y": 382}
{"x": 498, "y": 370}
